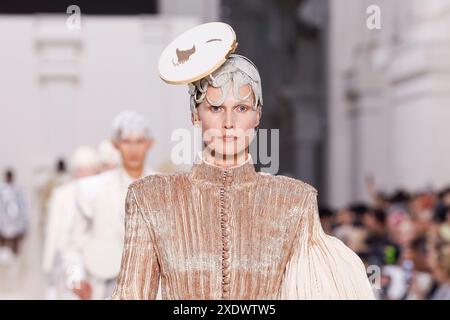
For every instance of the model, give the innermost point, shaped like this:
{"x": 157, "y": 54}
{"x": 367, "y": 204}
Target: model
{"x": 223, "y": 230}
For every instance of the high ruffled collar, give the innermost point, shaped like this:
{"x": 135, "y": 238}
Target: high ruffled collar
{"x": 242, "y": 173}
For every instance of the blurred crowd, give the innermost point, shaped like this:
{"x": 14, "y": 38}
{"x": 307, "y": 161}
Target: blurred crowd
{"x": 403, "y": 239}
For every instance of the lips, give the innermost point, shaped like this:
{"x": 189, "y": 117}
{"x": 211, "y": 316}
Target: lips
{"x": 229, "y": 138}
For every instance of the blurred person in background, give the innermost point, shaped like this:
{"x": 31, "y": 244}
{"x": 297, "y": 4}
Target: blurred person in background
{"x": 109, "y": 155}
{"x": 99, "y": 222}
{"x": 374, "y": 222}
{"x": 326, "y": 219}
{"x": 443, "y": 202}
{"x": 46, "y": 182}
{"x": 439, "y": 260}
{"x": 349, "y": 227}
{"x": 13, "y": 229}
{"x": 57, "y": 263}
{"x": 421, "y": 280}
{"x": 421, "y": 206}
{"x": 13, "y": 218}
{"x": 444, "y": 227}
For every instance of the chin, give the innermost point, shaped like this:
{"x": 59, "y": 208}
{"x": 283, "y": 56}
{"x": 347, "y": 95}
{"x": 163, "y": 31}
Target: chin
{"x": 229, "y": 152}
{"x": 134, "y": 165}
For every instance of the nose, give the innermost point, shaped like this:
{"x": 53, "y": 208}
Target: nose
{"x": 229, "y": 121}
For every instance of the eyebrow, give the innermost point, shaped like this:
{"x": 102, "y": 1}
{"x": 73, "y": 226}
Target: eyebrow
{"x": 243, "y": 103}
{"x": 247, "y": 102}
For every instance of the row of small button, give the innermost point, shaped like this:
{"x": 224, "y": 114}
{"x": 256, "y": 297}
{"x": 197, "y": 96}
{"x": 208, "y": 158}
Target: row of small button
{"x": 225, "y": 227}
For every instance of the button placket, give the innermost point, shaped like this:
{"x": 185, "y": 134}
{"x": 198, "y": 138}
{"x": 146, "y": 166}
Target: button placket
{"x": 225, "y": 228}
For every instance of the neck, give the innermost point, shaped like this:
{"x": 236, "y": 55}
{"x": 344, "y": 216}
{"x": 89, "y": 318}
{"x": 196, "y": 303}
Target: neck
{"x": 134, "y": 173}
{"x": 210, "y": 172}
{"x": 225, "y": 161}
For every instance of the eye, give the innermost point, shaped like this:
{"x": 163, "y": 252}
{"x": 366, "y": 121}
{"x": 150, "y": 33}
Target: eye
{"x": 242, "y": 108}
{"x": 215, "y": 108}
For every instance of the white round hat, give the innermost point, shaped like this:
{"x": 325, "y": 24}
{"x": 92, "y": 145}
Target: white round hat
{"x": 197, "y": 53}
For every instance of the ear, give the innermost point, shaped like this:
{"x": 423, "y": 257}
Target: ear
{"x": 195, "y": 119}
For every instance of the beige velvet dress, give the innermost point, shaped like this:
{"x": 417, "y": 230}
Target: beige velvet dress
{"x": 215, "y": 233}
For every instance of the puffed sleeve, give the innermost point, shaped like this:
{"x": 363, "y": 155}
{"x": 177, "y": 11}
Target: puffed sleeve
{"x": 139, "y": 272}
{"x": 321, "y": 266}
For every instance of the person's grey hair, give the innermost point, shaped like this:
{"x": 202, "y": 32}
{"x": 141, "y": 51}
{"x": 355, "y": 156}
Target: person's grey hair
{"x": 237, "y": 71}
{"x": 84, "y": 157}
{"x": 129, "y": 123}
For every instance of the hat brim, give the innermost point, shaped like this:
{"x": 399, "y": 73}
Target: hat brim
{"x": 197, "y": 53}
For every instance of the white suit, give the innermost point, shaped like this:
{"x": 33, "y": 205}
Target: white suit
{"x": 58, "y": 238}
{"x": 99, "y": 227}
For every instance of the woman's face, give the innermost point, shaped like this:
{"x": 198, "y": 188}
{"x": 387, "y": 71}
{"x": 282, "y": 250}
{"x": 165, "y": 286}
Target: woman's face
{"x": 228, "y": 129}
